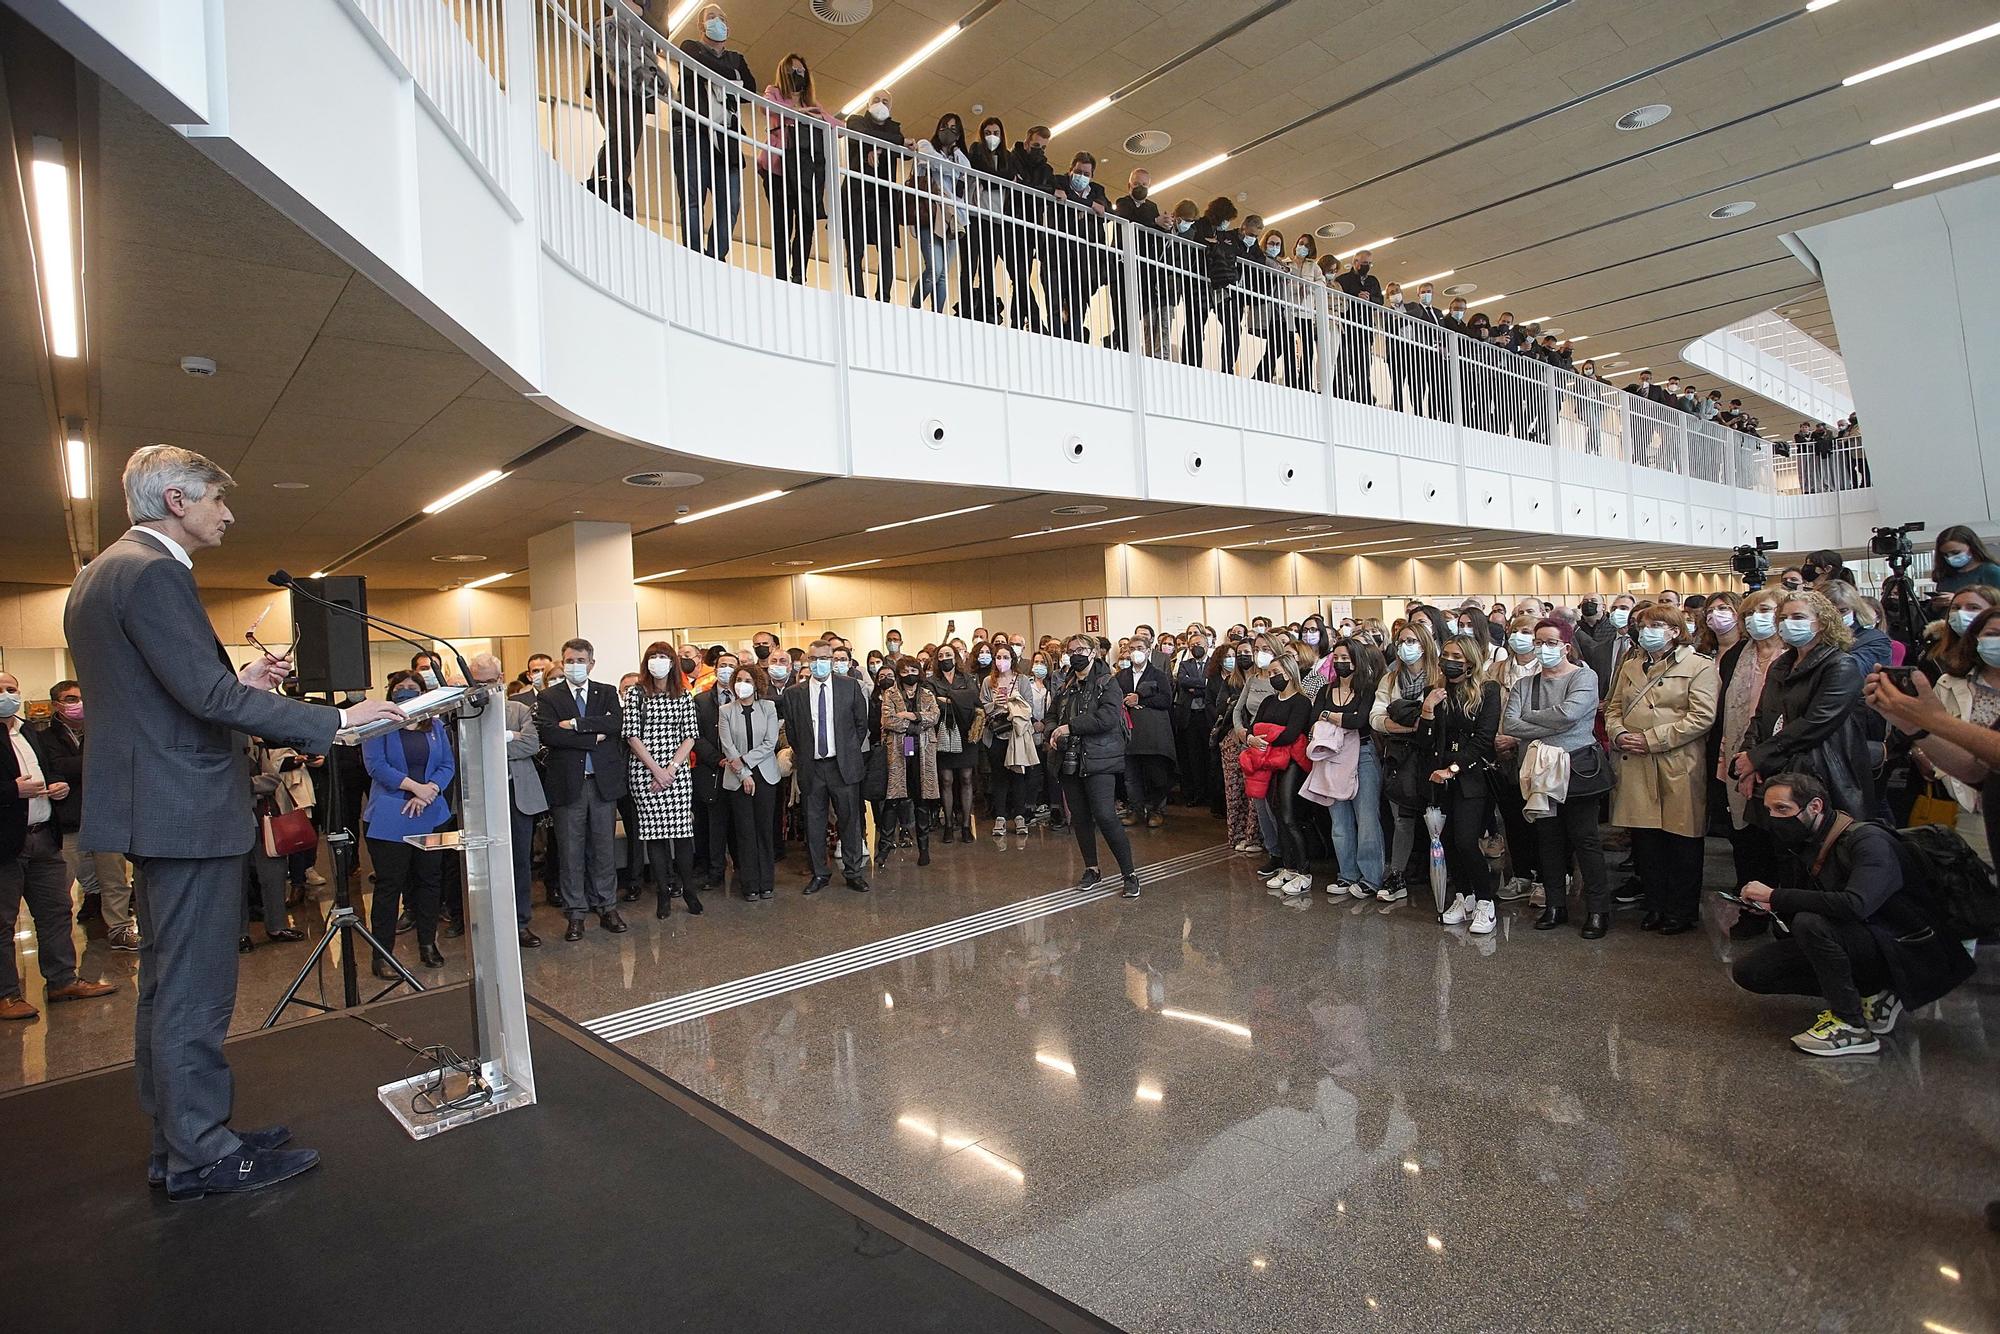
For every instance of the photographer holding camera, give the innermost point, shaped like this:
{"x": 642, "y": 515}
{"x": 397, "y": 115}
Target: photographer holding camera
{"x": 1089, "y": 737}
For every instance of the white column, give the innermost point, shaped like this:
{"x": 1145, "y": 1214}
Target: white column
{"x": 580, "y": 587}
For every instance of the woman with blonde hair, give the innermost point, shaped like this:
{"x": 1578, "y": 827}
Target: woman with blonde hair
{"x": 1458, "y": 720}
{"x": 1809, "y": 714}
{"x": 1283, "y": 718}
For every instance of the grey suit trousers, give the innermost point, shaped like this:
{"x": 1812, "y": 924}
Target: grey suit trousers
{"x": 190, "y": 913}
{"x": 586, "y": 845}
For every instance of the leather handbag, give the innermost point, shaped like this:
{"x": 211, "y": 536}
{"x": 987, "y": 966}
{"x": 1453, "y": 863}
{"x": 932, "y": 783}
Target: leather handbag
{"x": 286, "y": 834}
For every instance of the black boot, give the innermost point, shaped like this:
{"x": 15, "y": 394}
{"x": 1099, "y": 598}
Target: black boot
{"x": 689, "y": 900}
{"x": 923, "y": 843}
{"x": 1551, "y": 918}
{"x": 1595, "y": 924}
{"x": 885, "y": 843}
{"x": 664, "y": 906}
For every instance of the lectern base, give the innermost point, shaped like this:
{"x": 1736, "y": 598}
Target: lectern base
{"x": 407, "y": 1100}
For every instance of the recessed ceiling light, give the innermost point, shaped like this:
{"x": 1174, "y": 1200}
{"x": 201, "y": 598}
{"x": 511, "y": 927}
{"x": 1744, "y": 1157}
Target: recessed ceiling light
{"x": 791, "y": 562}
{"x": 55, "y": 248}
{"x": 851, "y": 565}
{"x": 916, "y": 58}
{"x": 1199, "y": 532}
{"x": 1094, "y": 523}
{"x": 1079, "y": 509}
{"x": 464, "y": 558}
{"x": 1928, "y": 53}
{"x": 471, "y": 488}
{"x": 1933, "y": 123}
{"x": 1308, "y": 528}
{"x": 1732, "y": 210}
{"x": 490, "y": 579}
{"x": 663, "y": 481}
{"x": 663, "y": 574}
{"x": 744, "y": 503}
{"x": 1332, "y": 231}
{"x": 291, "y": 486}
{"x": 1195, "y": 170}
{"x": 1148, "y": 142}
{"x": 1461, "y": 289}
{"x": 1486, "y": 301}
{"x": 1943, "y": 172}
{"x": 1639, "y": 118}
{"x": 947, "y": 514}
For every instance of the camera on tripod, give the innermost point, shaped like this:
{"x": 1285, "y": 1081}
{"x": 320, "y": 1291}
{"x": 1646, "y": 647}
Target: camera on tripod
{"x": 1893, "y": 544}
{"x": 1748, "y": 560}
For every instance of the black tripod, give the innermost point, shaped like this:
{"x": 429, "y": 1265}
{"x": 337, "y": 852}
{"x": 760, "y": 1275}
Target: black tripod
{"x": 343, "y": 922}
{"x": 1899, "y": 606}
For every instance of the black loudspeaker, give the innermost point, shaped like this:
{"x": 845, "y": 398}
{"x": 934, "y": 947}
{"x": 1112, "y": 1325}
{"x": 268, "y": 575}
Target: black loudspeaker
{"x": 330, "y": 654}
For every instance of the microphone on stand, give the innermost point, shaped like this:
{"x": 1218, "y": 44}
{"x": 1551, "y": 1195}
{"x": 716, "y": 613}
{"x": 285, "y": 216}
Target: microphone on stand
{"x": 284, "y": 580}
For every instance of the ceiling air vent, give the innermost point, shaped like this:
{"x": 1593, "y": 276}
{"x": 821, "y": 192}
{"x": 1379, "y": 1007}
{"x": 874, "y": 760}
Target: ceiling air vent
{"x": 465, "y": 558}
{"x": 1079, "y": 509}
{"x": 842, "y": 13}
{"x": 1333, "y": 231}
{"x": 664, "y": 481}
{"x": 1461, "y": 289}
{"x": 1735, "y": 210}
{"x": 1148, "y": 142}
{"x": 1640, "y": 118}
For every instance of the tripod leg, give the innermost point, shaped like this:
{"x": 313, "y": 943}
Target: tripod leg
{"x": 312, "y": 961}
{"x": 380, "y": 953}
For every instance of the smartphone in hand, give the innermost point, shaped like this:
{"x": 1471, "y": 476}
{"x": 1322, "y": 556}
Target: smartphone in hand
{"x": 1900, "y": 678}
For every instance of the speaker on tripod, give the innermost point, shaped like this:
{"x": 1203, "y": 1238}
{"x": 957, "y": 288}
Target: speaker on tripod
{"x": 330, "y": 654}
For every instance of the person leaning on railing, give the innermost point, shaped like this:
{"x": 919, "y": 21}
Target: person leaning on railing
{"x": 985, "y": 231}
{"x": 937, "y": 203}
{"x": 1028, "y": 238}
{"x": 1073, "y": 267}
{"x": 1140, "y": 218}
{"x": 708, "y": 164}
{"x": 625, "y": 79}
{"x": 871, "y": 214}
{"x": 792, "y": 167}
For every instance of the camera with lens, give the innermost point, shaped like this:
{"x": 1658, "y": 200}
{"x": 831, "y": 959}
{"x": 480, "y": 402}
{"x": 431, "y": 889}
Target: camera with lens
{"x": 1893, "y": 543}
{"x": 1748, "y": 560}
{"x": 1071, "y": 760}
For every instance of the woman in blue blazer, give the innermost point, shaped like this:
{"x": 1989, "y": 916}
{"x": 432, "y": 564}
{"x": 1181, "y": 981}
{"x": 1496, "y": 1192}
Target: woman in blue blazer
{"x": 408, "y": 771}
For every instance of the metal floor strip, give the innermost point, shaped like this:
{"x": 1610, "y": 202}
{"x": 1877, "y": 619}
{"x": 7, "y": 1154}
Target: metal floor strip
{"x": 622, "y": 1025}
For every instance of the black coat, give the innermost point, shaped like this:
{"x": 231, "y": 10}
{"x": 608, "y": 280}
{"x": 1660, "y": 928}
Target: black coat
{"x": 1152, "y": 716}
{"x": 1093, "y": 711}
{"x": 13, "y": 806}
{"x": 848, "y": 726}
{"x": 599, "y": 733}
{"x": 708, "y": 745}
{"x": 1452, "y": 736}
{"x": 1366, "y": 286}
{"x": 62, "y": 762}
{"x": 1809, "y": 719}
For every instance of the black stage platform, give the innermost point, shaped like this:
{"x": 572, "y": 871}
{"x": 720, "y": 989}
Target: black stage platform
{"x": 619, "y": 1202}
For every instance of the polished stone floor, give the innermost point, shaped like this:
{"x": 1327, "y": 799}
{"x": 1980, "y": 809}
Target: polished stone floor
{"x": 1211, "y": 1109}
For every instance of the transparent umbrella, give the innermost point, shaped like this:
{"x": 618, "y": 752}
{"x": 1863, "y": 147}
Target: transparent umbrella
{"x": 1434, "y": 821}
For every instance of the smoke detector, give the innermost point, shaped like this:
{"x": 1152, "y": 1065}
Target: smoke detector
{"x": 203, "y": 367}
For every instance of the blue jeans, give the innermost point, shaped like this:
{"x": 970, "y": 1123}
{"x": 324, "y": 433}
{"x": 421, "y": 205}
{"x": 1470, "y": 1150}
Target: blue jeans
{"x": 937, "y": 267}
{"x": 1361, "y": 819}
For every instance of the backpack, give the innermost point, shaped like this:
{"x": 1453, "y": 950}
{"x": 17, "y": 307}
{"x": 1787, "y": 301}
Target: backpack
{"x": 1956, "y": 880}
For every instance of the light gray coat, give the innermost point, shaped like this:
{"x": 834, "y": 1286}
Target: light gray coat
{"x": 757, "y": 746}
{"x": 523, "y": 744}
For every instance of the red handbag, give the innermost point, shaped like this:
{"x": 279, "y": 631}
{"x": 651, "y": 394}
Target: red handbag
{"x": 288, "y": 833}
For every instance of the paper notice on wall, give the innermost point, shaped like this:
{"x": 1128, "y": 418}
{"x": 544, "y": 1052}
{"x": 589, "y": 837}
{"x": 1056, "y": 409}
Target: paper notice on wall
{"x": 1339, "y": 609}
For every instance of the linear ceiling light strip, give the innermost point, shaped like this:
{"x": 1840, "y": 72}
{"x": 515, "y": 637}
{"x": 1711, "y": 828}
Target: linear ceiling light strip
{"x": 1158, "y": 72}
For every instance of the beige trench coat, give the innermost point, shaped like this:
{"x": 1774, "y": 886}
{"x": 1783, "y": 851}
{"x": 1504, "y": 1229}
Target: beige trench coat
{"x": 1673, "y": 707}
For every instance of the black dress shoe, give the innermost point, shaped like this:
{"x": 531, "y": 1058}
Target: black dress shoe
{"x": 1678, "y": 926}
{"x": 285, "y": 935}
{"x": 1652, "y": 921}
{"x": 1551, "y": 918}
{"x": 244, "y": 945}
{"x": 405, "y": 923}
{"x": 575, "y": 931}
{"x": 1595, "y": 924}
{"x": 247, "y": 1170}
{"x": 693, "y": 902}
{"x": 92, "y": 909}
{"x": 858, "y": 884}
{"x": 629, "y": 894}
{"x": 816, "y": 884}
{"x": 452, "y": 926}
{"x": 529, "y": 940}
{"x": 612, "y": 922}
{"x": 664, "y": 908}
{"x": 430, "y": 955}
{"x": 382, "y": 970}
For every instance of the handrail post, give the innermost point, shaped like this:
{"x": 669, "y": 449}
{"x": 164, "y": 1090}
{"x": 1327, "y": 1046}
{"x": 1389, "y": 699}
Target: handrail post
{"x": 1135, "y": 337}
{"x": 836, "y": 244}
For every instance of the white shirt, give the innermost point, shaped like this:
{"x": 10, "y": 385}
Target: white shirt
{"x": 174, "y": 549}
{"x": 821, "y": 696}
{"x": 31, "y": 767}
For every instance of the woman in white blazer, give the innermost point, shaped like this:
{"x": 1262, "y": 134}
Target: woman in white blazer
{"x": 747, "y": 726}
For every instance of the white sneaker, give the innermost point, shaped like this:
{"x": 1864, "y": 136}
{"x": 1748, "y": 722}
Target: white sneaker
{"x": 1460, "y": 909}
{"x": 1279, "y": 880}
{"x": 1483, "y": 918}
{"x": 1828, "y": 1036}
{"x": 1392, "y": 892}
{"x": 1020, "y": 824}
{"x": 1337, "y": 887}
{"x": 1881, "y": 1011}
{"x": 1361, "y": 889}
{"x": 1300, "y": 883}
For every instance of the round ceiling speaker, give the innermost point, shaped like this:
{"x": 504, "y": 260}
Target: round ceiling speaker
{"x": 664, "y": 481}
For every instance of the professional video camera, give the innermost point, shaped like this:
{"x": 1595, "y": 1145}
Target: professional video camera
{"x": 1893, "y": 544}
{"x": 1905, "y": 620}
{"x": 1749, "y": 561}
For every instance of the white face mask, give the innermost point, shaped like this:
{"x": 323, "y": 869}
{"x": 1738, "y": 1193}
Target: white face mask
{"x": 1425, "y": 298}
{"x": 879, "y": 110}
{"x": 1139, "y": 657}
{"x": 992, "y": 143}
{"x": 1550, "y": 654}
{"x": 659, "y": 667}
{"x": 745, "y": 689}
{"x": 1396, "y": 300}
{"x": 576, "y": 673}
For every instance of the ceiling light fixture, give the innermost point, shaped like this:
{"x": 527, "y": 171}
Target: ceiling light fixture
{"x": 317, "y": 574}
{"x": 681, "y": 13}
{"x": 905, "y": 523}
{"x": 1081, "y": 116}
{"x": 744, "y": 503}
{"x": 663, "y": 574}
{"x": 1928, "y": 53}
{"x": 1431, "y": 278}
{"x": 1372, "y": 245}
{"x": 851, "y": 565}
{"x": 76, "y": 461}
{"x": 1943, "y": 172}
{"x": 1201, "y": 532}
{"x": 1965, "y": 114}
{"x": 1485, "y": 301}
{"x": 1814, "y": 6}
{"x": 1099, "y": 523}
{"x": 471, "y": 488}
{"x": 1292, "y": 212}
{"x": 55, "y": 248}
{"x": 1353, "y": 546}
{"x": 1190, "y": 173}
{"x": 489, "y": 579}
{"x": 1539, "y": 319}
{"x": 923, "y": 53}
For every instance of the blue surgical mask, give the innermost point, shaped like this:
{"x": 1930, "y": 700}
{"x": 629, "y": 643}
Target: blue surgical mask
{"x": 1184, "y": 226}
{"x": 717, "y": 30}
{"x": 1619, "y": 616}
{"x": 780, "y": 671}
{"x": 1079, "y": 182}
{"x": 1410, "y": 651}
{"x": 1311, "y": 637}
{"x": 986, "y": 660}
{"x": 1262, "y": 657}
{"x": 1989, "y": 650}
{"x": 1123, "y": 663}
{"x": 723, "y": 673}
{"x": 1551, "y": 655}
{"x": 576, "y": 673}
{"x": 822, "y": 668}
{"x": 1847, "y": 618}
{"x": 840, "y": 667}
{"x": 1041, "y": 670}
{"x": 1961, "y": 619}
{"x": 1958, "y": 560}
{"x": 1761, "y": 624}
{"x": 402, "y": 697}
{"x": 10, "y": 703}
{"x": 1521, "y": 642}
{"x": 1653, "y": 638}
{"x": 1798, "y": 630}
{"x": 1229, "y": 662}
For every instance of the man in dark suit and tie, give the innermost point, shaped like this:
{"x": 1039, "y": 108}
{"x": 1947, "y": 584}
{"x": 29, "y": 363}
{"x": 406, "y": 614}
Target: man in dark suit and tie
{"x": 583, "y": 725}
{"x": 165, "y": 785}
{"x": 826, "y": 724}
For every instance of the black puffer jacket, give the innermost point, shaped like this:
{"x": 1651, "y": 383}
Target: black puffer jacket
{"x": 1095, "y": 714}
{"x": 1809, "y": 718}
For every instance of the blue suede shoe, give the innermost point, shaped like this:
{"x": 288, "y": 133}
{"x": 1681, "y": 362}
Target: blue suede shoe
{"x": 269, "y": 1137}
{"x": 241, "y": 1173}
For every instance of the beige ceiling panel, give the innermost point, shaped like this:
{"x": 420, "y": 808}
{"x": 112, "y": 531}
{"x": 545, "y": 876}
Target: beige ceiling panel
{"x": 367, "y": 314}
{"x": 343, "y": 377}
{"x": 167, "y": 402}
{"x": 157, "y": 304}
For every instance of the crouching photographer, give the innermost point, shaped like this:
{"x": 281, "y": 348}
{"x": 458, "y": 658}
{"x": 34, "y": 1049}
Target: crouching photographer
{"x": 1089, "y": 741}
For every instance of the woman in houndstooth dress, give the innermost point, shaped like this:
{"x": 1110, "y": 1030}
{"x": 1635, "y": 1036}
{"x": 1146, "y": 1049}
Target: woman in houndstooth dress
{"x": 660, "y": 733}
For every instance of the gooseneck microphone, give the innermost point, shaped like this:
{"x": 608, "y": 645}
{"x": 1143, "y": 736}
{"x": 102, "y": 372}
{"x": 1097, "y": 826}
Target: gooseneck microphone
{"x": 283, "y": 579}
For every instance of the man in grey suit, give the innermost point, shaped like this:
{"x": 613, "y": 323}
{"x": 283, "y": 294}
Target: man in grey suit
{"x": 826, "y": 725}
{"x": 165, "y": 785}
{"x": 526, "y": 800}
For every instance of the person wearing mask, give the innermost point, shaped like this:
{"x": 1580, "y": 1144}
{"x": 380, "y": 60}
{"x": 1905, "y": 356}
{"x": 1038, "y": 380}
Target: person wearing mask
{"x": 1080, "y": 258}
{"x": 873, "y": 214}
{"x": 660, "y": 731}
{"x": 625, "y": 79}
{"x": 583, "y": 726}
{"x": 1428, "y": 379}
{"x": 791, "y": 166}
{"x": 910, "y": 711}
{"x": 1593, "y": 627}
{"x": 1301, "y": 338}
{"x": 1224, "y": 260}
{"x": 714, "y": 817}
{"x": 1193, "y": 723}
{"x": 1396, "y": 714}
{"x": 107, "y": 889}
{"x": 31, "y": 866}
{"x": 1185, "y": 281}
{"x": 1945, "y": 638}
{"x": 409, "y": 770}
{"x": 1089, "y": 738}
{"x": 1360, "y": 318}
{"x": 1961, "y": 560}
{"x": 1807, "y": 717}
{"x": 826, "y": 720}
{"x": 1741, "y": 670}
{"x": 1608, "y": 650}
{"x": 957, "y": 690}
{"x": 1148, "y": 693}
{"x": 938, "y": 177}
{"x": 1658, "y": 716}
{"x": 707, "y": 162}
{"x": 1006, "y": 699}
{"x": 1457, "y": 722}
{"x": 1558, "y": 707}
{"x": 1969, "y": 690}
{"x": 985, "y": 231}
{"x": 1864, "y": 937}
{"x": 1228, "y": 670}
{"x": 747, "y": 732}
{"x": 1272, "y": 301}
{"x": 1825, "y": 567}
{"x": 1400, "y": 348}
{"x": 1871, "y": 647}
{"x": 1518, "y": 663}
{"x": 1140, "y": 215}
{"x": 1033, "y": 208}
{"x": 1356, "y": 669}
{"x": 1273, "y": 749}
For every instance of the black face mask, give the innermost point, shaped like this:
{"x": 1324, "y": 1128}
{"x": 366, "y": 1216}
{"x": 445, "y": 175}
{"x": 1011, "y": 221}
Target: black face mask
{"x": 1811, "y": 572}
{"x": 1452, "y": 669}
{"x": 798, "y": 80}
{"x": 1794, "y": 831}
{"x": 947, "y": 136}
{"x": 687, "y": 666}
{"x": 1363, "y": 268}
{"x": 1079, "y": 662}
{"x": 1343, "y": 670}
{"x": 763, "y": 652}
{"x": 1589, "y": 607}
{"x": 1139, "y": 193}
{"x": 946, "y": 664}
{"x": 910, "y": 681}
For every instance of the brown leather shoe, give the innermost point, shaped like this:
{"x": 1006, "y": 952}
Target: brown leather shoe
{"x": 80, "y": 990}
{"x": 13, "y": 1007}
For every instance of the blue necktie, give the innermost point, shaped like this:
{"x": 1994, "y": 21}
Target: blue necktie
{"x": 823, "y": 711}
{"x": 589, "y": 766}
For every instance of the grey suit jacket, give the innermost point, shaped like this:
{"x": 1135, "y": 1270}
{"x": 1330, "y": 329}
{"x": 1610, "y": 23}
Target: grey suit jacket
{"x": 757, "y": 746}
{"x": 529, "y": 799}
{"x": 163, "y": 775}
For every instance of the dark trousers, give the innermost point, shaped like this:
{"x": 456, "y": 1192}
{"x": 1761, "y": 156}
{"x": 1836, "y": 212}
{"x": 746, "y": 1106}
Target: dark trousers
{"x": 635, "y": 860}
{"x": 1524, "y": 846}
{"x": 623, "y": 115}
{"x": 1756, "y": 855}
{"x": 1148, "y": 781}
{"x": 977, "y": 251}
{"x": 870, "y": 220}
{"x": 714, "y": 818}
{"x": 403, "y": 872}
{"x": 823, "y": 788}
{"x": 1194, "y": 329}
{"x": 672, "y": 863}
{"x": 41, "y": 876}
{"x": 1572, "y": 834}
{"x": 1839, "y": 961}
{"x": 587, "y": 852}
{"x": 523, "y": 834}
{"x": 190, "y": 914}
{"x": 1093, "y": 811}
{"x": 1669, "y": 868}
{"x": 756, "y": 845}
{"x": 1194, "y": 757}
{"x": 1282, "y": 800}
{"x": 1007, "y": 791}
{"x": 794, "y": 225}
{"x": 708, "y": 166}
{"x": 1465, "y": 817}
